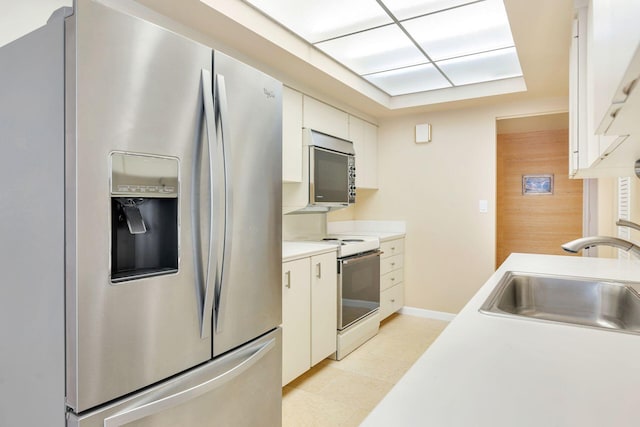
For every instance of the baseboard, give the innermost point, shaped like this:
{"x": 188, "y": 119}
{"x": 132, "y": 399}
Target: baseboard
{"x": 430, "y": 314}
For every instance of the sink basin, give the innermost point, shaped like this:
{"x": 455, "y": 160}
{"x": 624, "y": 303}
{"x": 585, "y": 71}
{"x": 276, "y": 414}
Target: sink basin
{"x": 569, "y": 300}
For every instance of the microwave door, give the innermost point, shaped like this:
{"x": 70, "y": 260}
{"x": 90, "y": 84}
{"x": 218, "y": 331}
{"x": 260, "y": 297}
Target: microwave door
{"x": 330, "y": 177}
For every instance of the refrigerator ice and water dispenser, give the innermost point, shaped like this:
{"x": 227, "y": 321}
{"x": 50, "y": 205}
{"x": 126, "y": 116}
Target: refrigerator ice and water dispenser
{"x": 144, "y": 216}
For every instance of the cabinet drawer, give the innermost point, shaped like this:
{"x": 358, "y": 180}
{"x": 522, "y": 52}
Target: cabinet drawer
{"x": 391, "y": 300}
{"x": 392, "y": 247}
{"x": 389, "y": 264}
{"x": 391, "y": 279}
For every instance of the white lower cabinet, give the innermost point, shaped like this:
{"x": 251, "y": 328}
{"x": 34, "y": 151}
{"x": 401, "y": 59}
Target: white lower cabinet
{"x": 324, "y": 306}
{"x": 309, "y": 313}
{"x": 391, "y": 277}
{"x": 296, "y": 319}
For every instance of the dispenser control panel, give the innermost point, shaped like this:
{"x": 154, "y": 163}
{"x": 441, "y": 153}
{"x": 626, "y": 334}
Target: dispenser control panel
{"x": 142, "y": 175}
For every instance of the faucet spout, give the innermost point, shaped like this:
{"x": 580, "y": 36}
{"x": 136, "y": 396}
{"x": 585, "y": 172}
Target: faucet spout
{"x": 577, "y": 245}
{"x": 625, "y": 223}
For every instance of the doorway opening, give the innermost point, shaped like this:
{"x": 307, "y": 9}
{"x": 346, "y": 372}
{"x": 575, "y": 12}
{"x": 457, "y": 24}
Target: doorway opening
{"x": 538, "y": 206}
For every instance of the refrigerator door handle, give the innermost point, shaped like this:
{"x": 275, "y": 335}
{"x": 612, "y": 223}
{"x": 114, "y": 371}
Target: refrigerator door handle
{"x": 222, "y": 286}
{"x": 209, "y": 116}
{"x": 188, "y": 394}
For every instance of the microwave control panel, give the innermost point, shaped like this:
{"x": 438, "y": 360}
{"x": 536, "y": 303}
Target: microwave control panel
{"x": 352, "y": 179}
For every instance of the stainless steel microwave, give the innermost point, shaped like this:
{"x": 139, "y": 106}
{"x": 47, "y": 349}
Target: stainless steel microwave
{"x": 332, "y": 171}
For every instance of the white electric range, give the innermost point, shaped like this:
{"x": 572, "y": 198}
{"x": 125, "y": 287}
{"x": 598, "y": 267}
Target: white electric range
{"x": 358, "y": 290}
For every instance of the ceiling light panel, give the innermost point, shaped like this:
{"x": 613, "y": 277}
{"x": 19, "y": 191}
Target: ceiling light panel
{"x": 316, "y": 20}
{"x": 462, "y": 31}
{"x": 380, "y": 49}
{"x": 483, "y": 67}
{"x": 403, "y": 9}
{"x": 409, "y": 80}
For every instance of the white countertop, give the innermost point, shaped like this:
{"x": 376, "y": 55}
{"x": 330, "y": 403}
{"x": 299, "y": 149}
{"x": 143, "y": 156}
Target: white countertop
{"x": 384, "y": 230}
{"x": 296, "y": 250}
{"x": 488, "y": 370}
{"x": 383, "y": 236}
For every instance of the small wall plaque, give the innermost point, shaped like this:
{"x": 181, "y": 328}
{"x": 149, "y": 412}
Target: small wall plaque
{"x": 423, "y": 133}
{"x": 537, "y": 184}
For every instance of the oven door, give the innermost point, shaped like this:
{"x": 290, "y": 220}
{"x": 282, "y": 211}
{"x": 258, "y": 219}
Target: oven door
{"x": 358, "y": 287}
{"x": 328, "y": 177}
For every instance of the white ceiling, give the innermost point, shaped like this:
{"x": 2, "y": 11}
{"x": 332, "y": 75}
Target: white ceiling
{"x": 406, "y": 46}
{"x": 541, "y": 31}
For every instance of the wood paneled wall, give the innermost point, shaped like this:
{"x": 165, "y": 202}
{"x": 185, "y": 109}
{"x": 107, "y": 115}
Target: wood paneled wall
{"x": 535, "y": 223}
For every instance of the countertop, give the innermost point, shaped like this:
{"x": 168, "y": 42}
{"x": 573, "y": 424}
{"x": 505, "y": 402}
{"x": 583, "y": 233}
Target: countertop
{"x": 382, "y": 235}
{"x": 384, "y": 230}
{"x": 296, "y": 250}
{"x": 488, "y": 370}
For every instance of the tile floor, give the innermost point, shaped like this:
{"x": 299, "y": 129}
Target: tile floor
{"x": 342, "y": 393}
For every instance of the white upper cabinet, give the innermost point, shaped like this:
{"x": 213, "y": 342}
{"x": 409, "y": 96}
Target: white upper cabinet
{"x": 365, "y": 143}
{"x": 291, "y": 135}
{"x": 614, "y": 42}
{"x": 325, "y": 118}
{"x": 604, "y": 103}
{"x": 578, "y": 135}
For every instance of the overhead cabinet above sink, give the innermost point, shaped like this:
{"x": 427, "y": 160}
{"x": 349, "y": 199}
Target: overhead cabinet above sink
{"x": 604, "y": 99}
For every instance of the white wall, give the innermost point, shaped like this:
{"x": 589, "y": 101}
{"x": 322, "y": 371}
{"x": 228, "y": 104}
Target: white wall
{"x": 18, "y": 17}
{"x": 436, "y": 189}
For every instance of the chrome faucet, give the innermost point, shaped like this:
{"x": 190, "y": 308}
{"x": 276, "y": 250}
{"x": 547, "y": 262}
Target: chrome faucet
{"x": 577, "y": 245}
{"x": 625, "y": 223}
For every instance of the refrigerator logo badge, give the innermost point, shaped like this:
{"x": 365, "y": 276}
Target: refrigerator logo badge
{"x": 269, "y": 93}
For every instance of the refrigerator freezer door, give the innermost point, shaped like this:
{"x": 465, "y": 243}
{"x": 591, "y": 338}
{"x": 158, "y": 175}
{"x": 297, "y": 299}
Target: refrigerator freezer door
{"x": 249, "y": 128}
{"x": 132, "y": 87}
{"x": 239, "y": 389}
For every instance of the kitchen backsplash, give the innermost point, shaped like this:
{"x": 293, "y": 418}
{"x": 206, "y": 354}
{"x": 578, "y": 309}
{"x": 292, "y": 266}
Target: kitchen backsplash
{"x": 304, "y": 227}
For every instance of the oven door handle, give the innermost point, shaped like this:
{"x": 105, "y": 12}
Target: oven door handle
{"x": 360, "y": 258}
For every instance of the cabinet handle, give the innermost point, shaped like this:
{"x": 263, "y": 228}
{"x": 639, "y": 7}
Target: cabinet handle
{"x": 393, "y": 263}
{"x": 393, "y": 279}
{"x": 628, "y": 88}
{"x": 393, "y": 300}
{"x": 393, "y": 248}
{"x": 319, "y": 270}
{"x": 288, "y": 275}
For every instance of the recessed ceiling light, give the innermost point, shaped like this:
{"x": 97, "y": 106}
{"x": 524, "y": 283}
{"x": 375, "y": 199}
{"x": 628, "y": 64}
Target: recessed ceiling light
{"x": 403, "y": 9}
{"x": 315, "y": 20}
{"x": 418, "y": 78}
{"x": 380, "y": 49}
{"x": 462, "y": 31}
{"x": 482, "y": 67}
{"x": 391, "y": 43}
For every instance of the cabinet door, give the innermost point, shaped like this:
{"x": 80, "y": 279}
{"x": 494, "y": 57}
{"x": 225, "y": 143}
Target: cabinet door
{"x": 324, "y": 118}
{"x": 296, "y": 327}
{"x": 365, "y": 143}
{"x": 291, "y": 135}
{"x": 324, "y": 306}
{"x": 615, "y": 38}
{"x": 371, "y": 155}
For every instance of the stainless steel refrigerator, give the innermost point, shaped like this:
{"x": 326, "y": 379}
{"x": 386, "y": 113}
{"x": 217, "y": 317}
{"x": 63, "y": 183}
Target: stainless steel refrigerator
{"x": 140, "y": 218}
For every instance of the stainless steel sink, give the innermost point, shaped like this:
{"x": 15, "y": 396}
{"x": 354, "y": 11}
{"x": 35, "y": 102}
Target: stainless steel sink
{"x": 579, "y": 301}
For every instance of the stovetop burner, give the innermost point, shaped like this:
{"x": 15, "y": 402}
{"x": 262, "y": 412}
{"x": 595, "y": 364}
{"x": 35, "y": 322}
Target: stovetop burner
{"x": 350, "y": 245}
{"x": 337, "y": 239}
